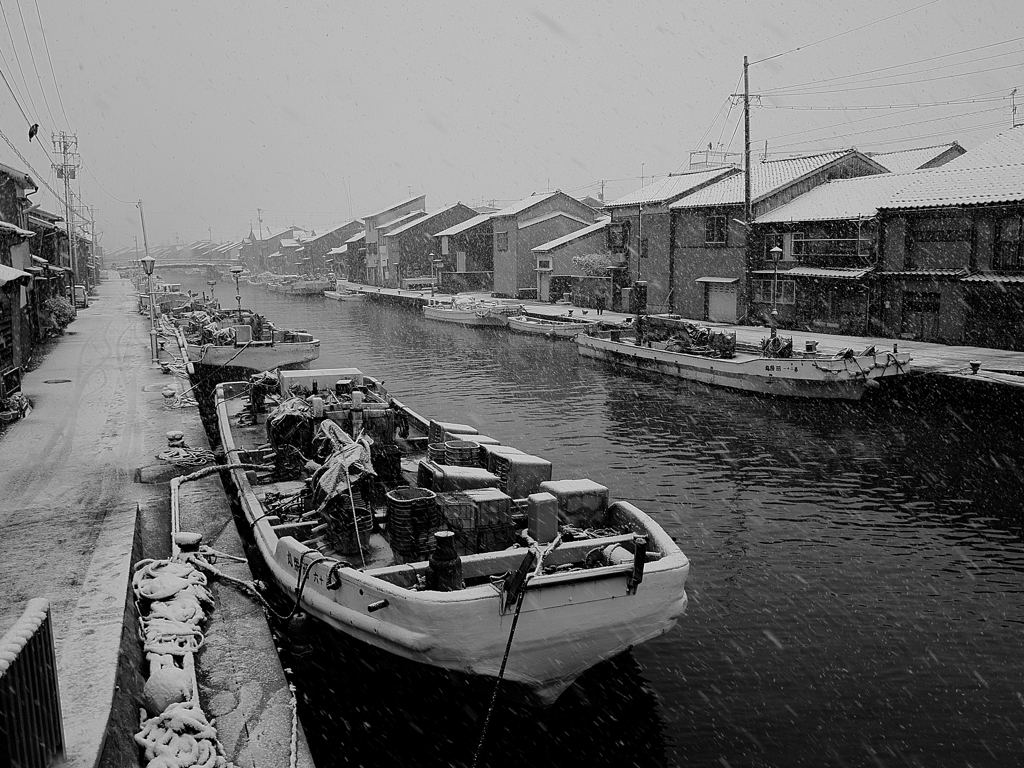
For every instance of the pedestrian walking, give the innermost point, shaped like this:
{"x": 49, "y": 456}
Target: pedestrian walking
{"x": 600, "y": 303}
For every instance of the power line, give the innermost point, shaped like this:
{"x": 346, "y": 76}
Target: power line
{"x": 997, "y": 124}
{"x": 53, "y": 74}
{"x": 12, "y": 93}
{"x": 894, "y": 85}
{"x": 34, "y": 171}
{"x": 847, "y": 32}
{"x": 894, "y": 66}
{"x": 891, "y": 127}
{"x": 112, "y": 197}
{"x": 17, "y": 59}
{"x": 32, "y": 55}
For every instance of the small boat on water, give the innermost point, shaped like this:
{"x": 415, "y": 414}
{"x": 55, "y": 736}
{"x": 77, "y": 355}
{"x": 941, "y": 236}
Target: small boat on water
{"x": 561, "y": 327}
{"x": 672, "y": 346}
{"x": 437, "y": 544}
{"x": 303, "y": 287}
{"x": 343, "y": 295}
{"x": 478, "y": 312}
{"x": 242, "y": 339}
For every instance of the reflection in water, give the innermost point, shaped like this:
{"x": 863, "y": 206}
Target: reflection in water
{"x": 375, "y": 710}
{"x": 856, "y": 589}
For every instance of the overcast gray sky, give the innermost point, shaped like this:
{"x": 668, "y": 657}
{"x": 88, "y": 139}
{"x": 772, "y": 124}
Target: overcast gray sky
{"x": 321, "y": 112}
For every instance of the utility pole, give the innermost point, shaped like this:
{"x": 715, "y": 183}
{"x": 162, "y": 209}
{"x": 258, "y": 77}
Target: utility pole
{"x": 600, "y": 195}
{"x": 746, "y": 144}
{"x": 263, "y": 255}
{"x": 66, "y": 145}
{"x": 152, "y": 310}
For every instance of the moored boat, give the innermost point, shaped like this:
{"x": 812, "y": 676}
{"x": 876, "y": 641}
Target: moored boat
{"x": 560, "y": 327}
{"x": 343, "y": 295}
{"x": 242, "y": 339}
{"x": 674, "y": 347}
{"x": 433, "y": 543}
{"x": 493, "y": 312}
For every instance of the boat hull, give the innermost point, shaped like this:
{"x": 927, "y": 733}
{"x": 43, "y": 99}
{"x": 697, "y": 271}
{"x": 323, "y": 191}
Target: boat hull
{"x": 813, "y": 378}
{"x": 569, "y": 622}
{"x": 557, "y": 329}
{"x": 465, "y": 317}
{"x": 343, "y": 296}
{"x": 256, "y": 356}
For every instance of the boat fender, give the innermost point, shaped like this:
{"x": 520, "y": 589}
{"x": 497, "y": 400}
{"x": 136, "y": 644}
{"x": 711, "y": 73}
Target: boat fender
{"x": 639, "y": 559}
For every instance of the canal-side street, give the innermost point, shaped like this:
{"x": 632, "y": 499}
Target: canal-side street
{"x": 76, "y": 471}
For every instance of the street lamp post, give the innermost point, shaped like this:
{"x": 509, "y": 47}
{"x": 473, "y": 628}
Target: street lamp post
{"x": 148, "y": 262}
{"x": 776, "y": 254}
{"x": 237, "y": 272}
{"x": 433, "y": 273}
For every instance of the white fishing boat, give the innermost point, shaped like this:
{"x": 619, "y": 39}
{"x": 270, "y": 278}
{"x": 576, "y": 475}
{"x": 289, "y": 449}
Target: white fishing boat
{"x": 477, "y": 312}
{"x": 556, "y": 327}
{"x": 343, "y": 295}
{"x": 670, "y": 346}
{"x": 242, "y": 339}
{"x": 437, "y": 544}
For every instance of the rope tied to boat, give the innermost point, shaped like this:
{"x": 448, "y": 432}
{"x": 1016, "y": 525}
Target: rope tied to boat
{"x": 531, "y": 566}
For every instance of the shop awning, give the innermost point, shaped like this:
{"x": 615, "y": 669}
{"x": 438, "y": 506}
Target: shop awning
{"x": 10, "y": 274}
{"x": 724, "y": 280}
{"x": 837, "y": 273}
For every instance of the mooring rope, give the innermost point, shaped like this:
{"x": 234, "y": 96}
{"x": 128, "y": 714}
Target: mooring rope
{"x": 541, "y": 554}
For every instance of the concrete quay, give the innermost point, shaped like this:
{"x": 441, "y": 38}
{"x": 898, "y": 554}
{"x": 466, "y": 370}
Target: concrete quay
{"x": 82, "y": 498}
{"x": 999, "y": 367}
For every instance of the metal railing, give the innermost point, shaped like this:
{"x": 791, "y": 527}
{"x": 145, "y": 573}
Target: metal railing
{"x": 31, "y": 727}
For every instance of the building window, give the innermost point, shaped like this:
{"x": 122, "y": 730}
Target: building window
{"x": 786, "y": 292}
{"x": 543, "y": 263}
{"x": 714, "y": 230}
{"x": 501, "y": 241}
{"x": 618, "y": 236}
{"x": 371, "y": 249}
{"x": 1009, "y": 241}
{"x": 921, "y": 302}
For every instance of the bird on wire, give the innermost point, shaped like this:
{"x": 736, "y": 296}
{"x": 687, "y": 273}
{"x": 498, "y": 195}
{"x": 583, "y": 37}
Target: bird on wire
{"x": 32, "y": 131}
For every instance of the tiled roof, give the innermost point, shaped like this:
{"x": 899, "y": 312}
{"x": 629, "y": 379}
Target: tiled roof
{"x": 858, "y": 198}
{"x": 399, "y": 205}
{"x": 418, "y": 221}
{"x": 476, "y": 221}
{"x": 356, "y": 238}
{"x": 391, "y": 226}
{"x": 765, "y": 178}
{"x": 670, "y": 188}
{"x": 928, "y": 273}
{"x": 565, "y": 239}
{"x": 988, "y": 277}
{"x": 526, "y": 202}
{"x": 948, "y": 186}
{"x": 905, "y": 160}
{"x": 841, "y": 273}
{"x": 1005, "y": 148}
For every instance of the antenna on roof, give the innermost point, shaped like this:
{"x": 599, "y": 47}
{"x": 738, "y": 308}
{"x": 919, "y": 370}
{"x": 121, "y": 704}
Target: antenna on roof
{"x": 1013, "y": 108}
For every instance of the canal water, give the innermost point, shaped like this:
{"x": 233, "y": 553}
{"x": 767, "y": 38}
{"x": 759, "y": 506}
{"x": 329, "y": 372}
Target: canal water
{"x": 857, "y": 582}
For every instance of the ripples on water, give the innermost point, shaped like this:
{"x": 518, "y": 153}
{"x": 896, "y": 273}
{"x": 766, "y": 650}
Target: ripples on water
{"x": 856, "y": 588}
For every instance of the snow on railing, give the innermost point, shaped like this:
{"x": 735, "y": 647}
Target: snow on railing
{"x": 30, "y": 714}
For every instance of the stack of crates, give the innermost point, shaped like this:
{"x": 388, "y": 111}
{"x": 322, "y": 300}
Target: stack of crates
{"x": 582, "y": 503}
{"x": 440, "y": 431}
{"x": 519, "y": 474}
{"x": 480, "y": 518}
